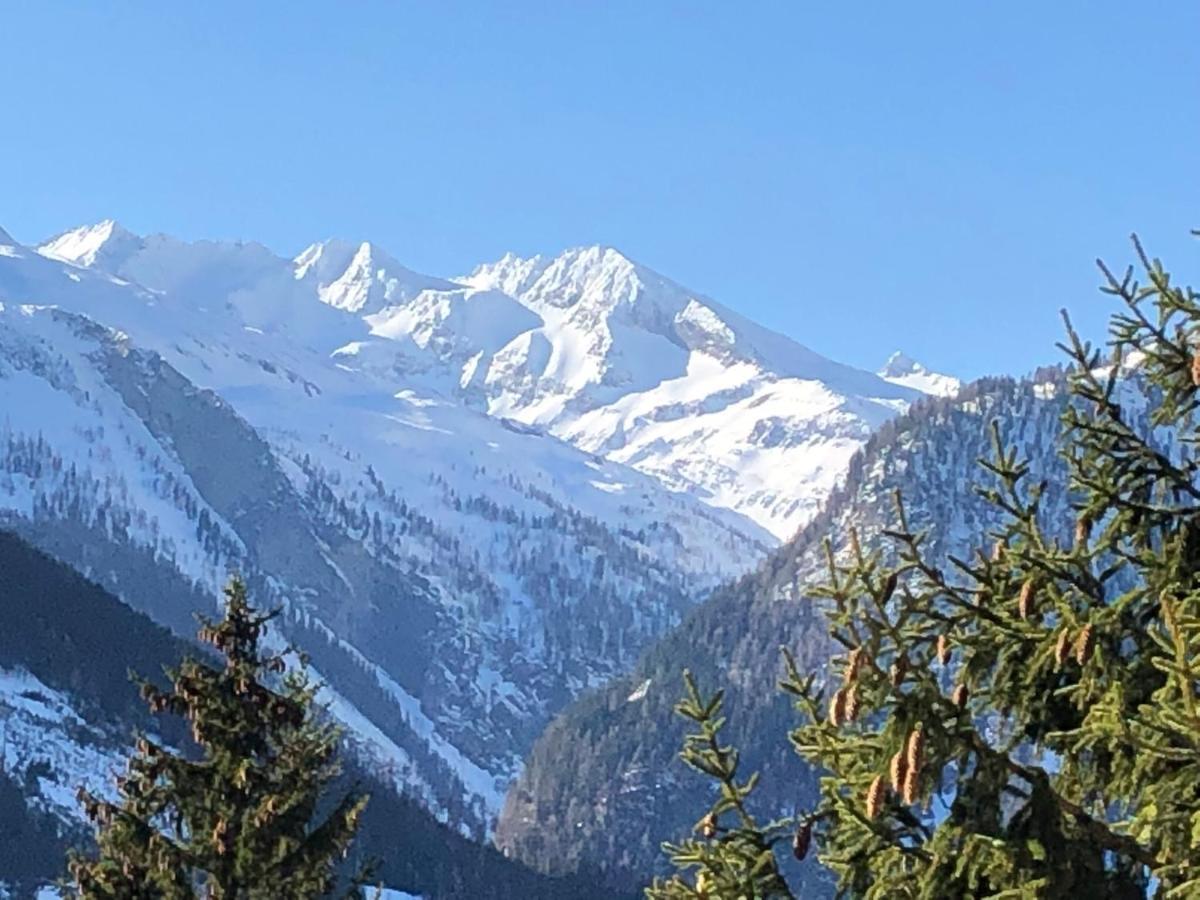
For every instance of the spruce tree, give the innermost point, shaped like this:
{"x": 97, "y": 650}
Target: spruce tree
{"x": 1025, "y": 722}
{"x": 237, "y": 817}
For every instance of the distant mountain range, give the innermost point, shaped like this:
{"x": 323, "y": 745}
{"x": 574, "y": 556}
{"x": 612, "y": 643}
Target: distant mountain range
{"x": 475, "y": 497}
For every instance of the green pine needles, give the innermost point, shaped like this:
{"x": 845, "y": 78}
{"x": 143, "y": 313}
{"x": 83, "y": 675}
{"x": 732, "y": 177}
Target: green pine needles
{"x": 1026, "y": 724}
{"x": 734, "y": 855}
{"x": 238, "y": 819}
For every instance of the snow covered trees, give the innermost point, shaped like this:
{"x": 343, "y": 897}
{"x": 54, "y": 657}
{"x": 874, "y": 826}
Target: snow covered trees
{"x": 242, "y": 817}
{"x": 1026, "y": 724}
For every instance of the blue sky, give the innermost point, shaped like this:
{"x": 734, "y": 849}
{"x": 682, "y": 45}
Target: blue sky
{"x": 932, "y": 176}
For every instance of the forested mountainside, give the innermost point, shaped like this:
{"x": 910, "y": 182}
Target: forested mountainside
{"x": 603, "y": 785}
{"x": 68, "y": 712}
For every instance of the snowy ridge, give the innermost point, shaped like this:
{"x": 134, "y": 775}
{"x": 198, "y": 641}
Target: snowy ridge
{"x": 361, "y": 278}
{"x": 904, "y": 370}
{"x": 636, "y": 367}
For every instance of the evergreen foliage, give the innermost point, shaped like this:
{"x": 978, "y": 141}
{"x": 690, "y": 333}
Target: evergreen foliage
{"x": 242, "y": 819}
{"x": 735, "y": 855}
{"x": 1026, "y": 725}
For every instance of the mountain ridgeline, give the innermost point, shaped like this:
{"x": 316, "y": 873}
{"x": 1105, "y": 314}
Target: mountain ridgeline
{"x": 603, "y": 786}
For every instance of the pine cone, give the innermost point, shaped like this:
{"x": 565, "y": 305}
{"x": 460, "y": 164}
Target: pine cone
{"x": 875, "y": 797}
{"x": 898, "y": 671}
{"x": 218, "y": 836}
{"x": 1196, "y": 369}
{"x": 852, "y": 703}
{"x": 898, "y": 770}
{"x": 853, "y": 665}
{"x": 960, "y": 696}
{"x": 802, "y": 840}
{"x": 1083, "y": 527}
{"x": 998, "y": 551}
{"x": 943, "y": 649}
{"x": 837, "y": 708}
{"x": 1025, "y": 601}
{"x": 912, "y": 781}
{"x": 1085, "y": 644}
{"x": 1062, "y": 648}
{"x": 914, "y": 751}
{"x": 708, "y": 826}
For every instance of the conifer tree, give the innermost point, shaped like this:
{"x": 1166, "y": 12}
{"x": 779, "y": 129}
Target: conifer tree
{"x": 237, "y": 817}
{"x": 1027, "y": 723}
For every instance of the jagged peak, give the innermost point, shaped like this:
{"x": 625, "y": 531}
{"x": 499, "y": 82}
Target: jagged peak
{"x": 900, "y": 363}
{"x": 596, "y": 270}
{"x": 88, "y": 245}
{"x": 361, "y": 277}
{"x": 6, "y": 238}
{"x": 902, "y": 369}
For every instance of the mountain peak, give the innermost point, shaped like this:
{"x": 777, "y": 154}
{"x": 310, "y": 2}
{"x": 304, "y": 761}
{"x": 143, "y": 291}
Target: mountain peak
{"x": 362, "y": 277}
{"x": 900, "y": 363}
{"x": 902, "y": 369}
{"x": 92, "y": 245}
{"x": 6, "y": 238}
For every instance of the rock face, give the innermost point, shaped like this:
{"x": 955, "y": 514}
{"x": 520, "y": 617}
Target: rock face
{"x": 603, "y": 785}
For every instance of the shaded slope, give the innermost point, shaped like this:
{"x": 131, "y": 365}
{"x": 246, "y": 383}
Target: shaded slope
{"x": 74, "y": 643}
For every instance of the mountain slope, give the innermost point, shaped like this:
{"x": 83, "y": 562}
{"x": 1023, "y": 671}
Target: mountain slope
{"x": 603, "y": 785}
{"x": 456, "y": 578}
{"x": 634, "y": 366}
{"x": 68, "y": 712}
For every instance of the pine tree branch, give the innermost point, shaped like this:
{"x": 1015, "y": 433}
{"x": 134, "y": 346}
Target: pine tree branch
{"x": 1098, "y": 830}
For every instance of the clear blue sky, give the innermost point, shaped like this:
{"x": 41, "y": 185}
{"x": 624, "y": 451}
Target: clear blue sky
{"x": 933, "y": 176}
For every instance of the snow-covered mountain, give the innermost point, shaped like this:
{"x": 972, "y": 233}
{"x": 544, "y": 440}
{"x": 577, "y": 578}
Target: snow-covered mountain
{"x": 463, "y": 577}
{"x": 475, "y": 497}
{"x": 631, "y": 365}
{"x": 622, "y": 362}
{"x": 588, "y": 346}
{"x": 904, "y": 370}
